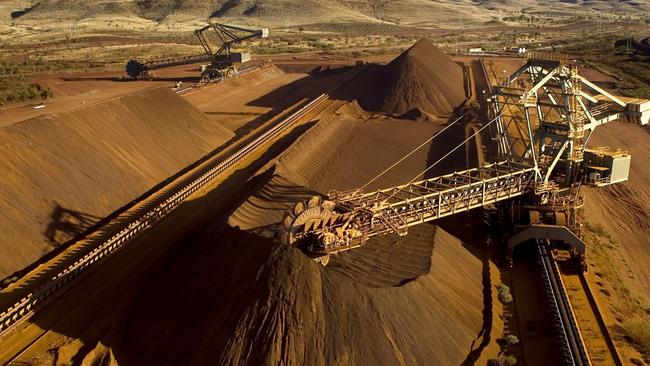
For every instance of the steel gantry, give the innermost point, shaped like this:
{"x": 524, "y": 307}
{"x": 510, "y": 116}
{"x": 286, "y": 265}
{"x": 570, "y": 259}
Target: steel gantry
{"x": 545, "y": 115}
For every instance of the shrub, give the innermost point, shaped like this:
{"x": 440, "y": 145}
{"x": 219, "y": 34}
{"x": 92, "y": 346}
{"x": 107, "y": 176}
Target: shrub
{"x": 639, "y": 329}
{"x": 14, "y": 88}
{"x": 596, "y": 228}
{"x": 503, "y": 361}
{"x": 511, "y": 339}
{"x": 504, "y": 294}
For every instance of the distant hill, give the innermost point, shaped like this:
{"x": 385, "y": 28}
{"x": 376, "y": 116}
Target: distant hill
{"x": 292, "y": 12}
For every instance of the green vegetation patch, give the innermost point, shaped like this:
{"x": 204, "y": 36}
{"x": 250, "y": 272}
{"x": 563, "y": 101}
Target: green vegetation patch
{"x": 630, "y": 67}
{"x": 611, "y": 268}
{"x": 15, "y": 88}
{"x": 639, "y": 329}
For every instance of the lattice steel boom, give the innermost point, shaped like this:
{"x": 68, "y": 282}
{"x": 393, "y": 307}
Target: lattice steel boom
{"x": 345, "y": 220}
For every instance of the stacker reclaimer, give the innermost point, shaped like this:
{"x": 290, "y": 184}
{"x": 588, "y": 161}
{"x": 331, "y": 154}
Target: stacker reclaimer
{"x": 223, "y": 62}
{"x": 541, "y": 118}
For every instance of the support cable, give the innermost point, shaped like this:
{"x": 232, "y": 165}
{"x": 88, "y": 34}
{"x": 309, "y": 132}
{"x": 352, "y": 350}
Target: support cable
{"x": 447, "y": 154}
{"x": 413, "y": 151}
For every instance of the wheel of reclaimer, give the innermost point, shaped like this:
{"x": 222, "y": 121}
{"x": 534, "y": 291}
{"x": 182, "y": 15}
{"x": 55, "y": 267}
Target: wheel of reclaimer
{"x": 305, "y": 217}
{"x": 135, "y": 69}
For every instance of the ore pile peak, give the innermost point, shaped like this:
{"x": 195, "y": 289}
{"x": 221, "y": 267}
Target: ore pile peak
{"x": 422, "y": 78}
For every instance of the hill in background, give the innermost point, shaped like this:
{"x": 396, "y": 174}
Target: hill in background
{"x": 278, "y": 13}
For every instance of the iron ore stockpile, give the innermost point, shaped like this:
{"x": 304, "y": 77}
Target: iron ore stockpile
{"x": 228, "y": 293}
{"x": 55, "y": 164}
{"x": 422, "y": 78}
{"x": 388, "y": 303}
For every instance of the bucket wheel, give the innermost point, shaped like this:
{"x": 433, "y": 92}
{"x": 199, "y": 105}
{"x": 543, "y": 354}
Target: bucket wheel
{"x": 306, "y": 221}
